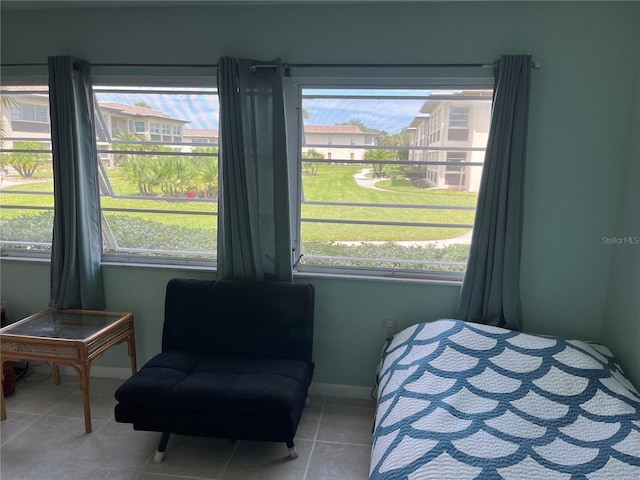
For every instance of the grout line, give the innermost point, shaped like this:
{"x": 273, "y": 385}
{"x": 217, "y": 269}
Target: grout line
{"x": 223, "y": 471}
{"x": 313, "y": 445}
{"x": 3, "y": 440}
{"x": 345, "y": 443}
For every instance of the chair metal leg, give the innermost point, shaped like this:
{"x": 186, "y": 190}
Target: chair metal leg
{"x": 293, "y": 454}
{"x": 162, "y": 446}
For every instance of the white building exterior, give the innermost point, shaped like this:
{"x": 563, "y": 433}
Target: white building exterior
{"x": 338, "y": 142}
{"x": 452, "y": 122}
{"x": 203, "y": 137}
{"x": 25, "y": 115}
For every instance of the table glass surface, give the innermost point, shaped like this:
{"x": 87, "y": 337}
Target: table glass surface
{"x": 60, "y": 324}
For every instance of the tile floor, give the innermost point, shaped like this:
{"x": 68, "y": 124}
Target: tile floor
{"x": 43, "y": 439}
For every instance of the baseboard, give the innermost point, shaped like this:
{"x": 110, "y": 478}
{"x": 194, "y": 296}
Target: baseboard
{"x": 327, "y": 389}
{"x": 335, "y": 390}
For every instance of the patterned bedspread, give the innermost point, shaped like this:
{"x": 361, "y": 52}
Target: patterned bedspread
{"x": 464, "y": 401}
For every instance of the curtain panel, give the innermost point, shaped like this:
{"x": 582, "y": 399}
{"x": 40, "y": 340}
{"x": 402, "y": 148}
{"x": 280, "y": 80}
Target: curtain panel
{"x": 490, "y": 291}
{"x": 76, "y": 276}
{"x": 254, "y": 229}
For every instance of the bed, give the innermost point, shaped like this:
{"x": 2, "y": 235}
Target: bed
{"x": 462, "y": 401}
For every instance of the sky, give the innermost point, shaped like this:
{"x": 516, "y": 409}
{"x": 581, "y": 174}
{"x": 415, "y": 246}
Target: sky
{"x": 201, "y": 110}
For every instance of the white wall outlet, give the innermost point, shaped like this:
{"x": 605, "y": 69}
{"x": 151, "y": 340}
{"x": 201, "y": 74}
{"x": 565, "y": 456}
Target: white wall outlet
{"x": 389, "y": 323}
{"x": 389, "y": 327}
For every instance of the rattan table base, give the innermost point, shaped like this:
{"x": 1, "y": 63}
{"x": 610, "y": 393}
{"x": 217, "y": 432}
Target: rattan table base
{"x": 75, "y": 338}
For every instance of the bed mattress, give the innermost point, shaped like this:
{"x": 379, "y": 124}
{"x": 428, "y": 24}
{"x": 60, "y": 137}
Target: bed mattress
{"x": 458, "y": 400}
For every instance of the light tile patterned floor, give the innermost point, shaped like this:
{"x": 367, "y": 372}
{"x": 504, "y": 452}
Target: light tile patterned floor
{"x": 43, "y": 439}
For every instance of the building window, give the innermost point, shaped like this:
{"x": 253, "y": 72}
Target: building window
{"x": 138, "y": 127}
{"x": 28, "y": 112}
{"x": 26, "y": 178}
{"x": 154, "y": 128}
{"x": 159, "y": 201}
{"x": 384, "y": 211}
{"x": 177, "y": 131}
{"x": 459, "y": 117}
{"x": 455, "y": 171}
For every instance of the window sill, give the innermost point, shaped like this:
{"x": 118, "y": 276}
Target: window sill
{"x": 162, "y": 266}
{"x": 415, "y": 279}
{"x": 398, "y": 278}
{"x": 8, "y": 257}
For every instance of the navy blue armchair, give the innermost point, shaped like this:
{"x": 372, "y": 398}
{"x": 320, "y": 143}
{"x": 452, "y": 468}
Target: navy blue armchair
{"x": 236, "y": 363}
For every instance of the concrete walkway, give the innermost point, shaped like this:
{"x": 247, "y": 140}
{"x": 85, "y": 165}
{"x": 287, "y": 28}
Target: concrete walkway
{"x": 369, "y": 182}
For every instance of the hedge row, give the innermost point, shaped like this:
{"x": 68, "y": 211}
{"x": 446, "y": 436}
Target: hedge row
{"x": 136, "y": 233}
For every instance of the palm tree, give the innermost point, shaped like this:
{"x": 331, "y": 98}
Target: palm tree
{"x": 311, "y": 168}
{"x": 379, "y": 169}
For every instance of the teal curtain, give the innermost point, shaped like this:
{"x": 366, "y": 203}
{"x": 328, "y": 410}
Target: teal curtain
{"x": 76, "y": 277}
{"x": 490, "y": 291}
{"x": 254, "y": 231}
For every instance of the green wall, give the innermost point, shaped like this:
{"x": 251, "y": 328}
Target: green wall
{"x": 621, "y": 326}
{"x": 578, "y": 148}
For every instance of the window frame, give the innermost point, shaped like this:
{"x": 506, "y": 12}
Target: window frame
{"x": 139, "y": 123}
{"x": 6, "y": 248}
{"x": 295, "y": 125}
{"x": 162, "y": 82}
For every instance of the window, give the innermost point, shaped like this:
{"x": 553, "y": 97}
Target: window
{"x": 29, "y": 112}
{"x": 159, "y": 197}
{"x": 458, "y": 117}
{"x": 138, "y": 127}
{"x": 26, "y": 179}
{"x": 404, "y": 204}
{"x": 177, "y": 131}
{"x": 455, "y": 173}
{"x": 155, "y": 128}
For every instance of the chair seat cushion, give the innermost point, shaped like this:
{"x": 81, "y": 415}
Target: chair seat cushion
{"x": 188, "y": 381}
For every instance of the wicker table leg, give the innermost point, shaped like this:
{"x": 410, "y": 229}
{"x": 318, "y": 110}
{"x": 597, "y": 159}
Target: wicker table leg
{"x": 131, "y": 346}
{"x": 56, "y": 373}
{"x": 84, "y": 387}
{"x": 3, "y": 409}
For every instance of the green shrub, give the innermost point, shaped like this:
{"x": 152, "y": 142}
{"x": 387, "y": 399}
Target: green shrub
{"x": 457, "y": 253}
{"x": 135, "y": 233}
{"x": 33, "y": 227}
{"x": 172, "y": 176}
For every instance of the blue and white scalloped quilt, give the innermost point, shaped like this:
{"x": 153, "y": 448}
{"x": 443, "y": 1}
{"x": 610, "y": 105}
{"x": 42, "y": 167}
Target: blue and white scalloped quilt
{"x": 462, "y": 401}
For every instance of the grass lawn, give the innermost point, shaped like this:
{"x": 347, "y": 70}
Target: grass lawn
{"x": 333, "y": 183}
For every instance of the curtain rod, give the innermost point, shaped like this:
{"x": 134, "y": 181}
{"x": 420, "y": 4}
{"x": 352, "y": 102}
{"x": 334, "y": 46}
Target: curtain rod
{"x": 535, "y": 65}
{"x": 124, "y": 65}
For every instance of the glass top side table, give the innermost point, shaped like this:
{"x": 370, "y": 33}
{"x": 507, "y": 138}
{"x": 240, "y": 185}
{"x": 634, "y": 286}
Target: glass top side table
{"x": 68, "y": 337}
